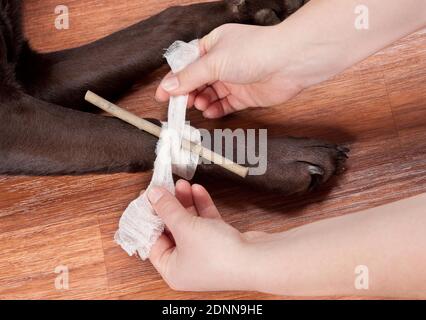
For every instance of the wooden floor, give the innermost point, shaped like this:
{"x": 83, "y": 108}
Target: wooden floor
{"x": 378, "y": 107}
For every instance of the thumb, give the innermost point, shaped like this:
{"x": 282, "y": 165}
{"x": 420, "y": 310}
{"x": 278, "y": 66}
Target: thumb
{"x": 170, "y": 210}
{"x": 196, "y": 74}
{"x": 189, "y": 79}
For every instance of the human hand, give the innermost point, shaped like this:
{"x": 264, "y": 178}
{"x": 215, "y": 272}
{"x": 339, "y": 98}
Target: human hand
{"x": 250, "y": 66}
{"x": 200, "y": 252}
{"x": 203, "y": 253}
{"x": 241, "y": 67}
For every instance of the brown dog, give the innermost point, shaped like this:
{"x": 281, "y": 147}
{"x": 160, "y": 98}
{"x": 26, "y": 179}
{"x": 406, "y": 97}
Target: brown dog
{"x": 46, "y": 128}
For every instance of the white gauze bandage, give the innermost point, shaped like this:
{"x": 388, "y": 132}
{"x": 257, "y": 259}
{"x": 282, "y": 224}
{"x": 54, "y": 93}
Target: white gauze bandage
{"x": 140, "y": 227}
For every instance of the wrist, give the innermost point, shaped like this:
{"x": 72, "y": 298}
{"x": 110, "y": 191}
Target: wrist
{"x": 248, "y": 268}
{"x": 267, "y": 262}
{"x": 302, "y": 57}
{"x": 258, "y": 258}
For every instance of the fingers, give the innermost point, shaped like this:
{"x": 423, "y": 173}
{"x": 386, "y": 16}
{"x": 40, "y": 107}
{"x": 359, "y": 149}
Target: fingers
{"x": 189, "y": 79}
{"x": 184, "y": 195}
{"x": 209, "y": 41}
{"x": 170, "y": 210}
{"x": 175, "y": 214}
{"x": 204, "y": 203}
{"x": 219, "y": 109}
{"x": 160, "y": 252}
{"x": 165, "y": 244}
{"x": 214, "y": 101}
{"x": 193, "y": 76}
{"x": 162, "y": 95}
{"x": 205, "y": 98}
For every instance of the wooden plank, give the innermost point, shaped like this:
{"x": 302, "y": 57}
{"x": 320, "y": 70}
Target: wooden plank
{"x": 378, "y": 107}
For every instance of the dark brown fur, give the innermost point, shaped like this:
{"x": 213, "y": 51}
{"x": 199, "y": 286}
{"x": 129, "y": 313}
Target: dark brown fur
{"x": 46, "y": 127}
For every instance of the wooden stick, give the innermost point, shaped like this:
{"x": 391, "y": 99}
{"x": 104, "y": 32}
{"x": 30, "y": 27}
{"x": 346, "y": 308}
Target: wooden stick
{"x": 155, "y": 130}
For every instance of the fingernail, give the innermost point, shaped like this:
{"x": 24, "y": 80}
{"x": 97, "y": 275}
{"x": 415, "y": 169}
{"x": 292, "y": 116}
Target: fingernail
{"x": 155, "y": 195}
{"x": 170, "y": 84}
{"x": 209, "y": 114}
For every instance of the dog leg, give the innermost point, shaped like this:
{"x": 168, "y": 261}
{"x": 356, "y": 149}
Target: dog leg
{"x": 42, "y": 138}
{"x": 293, "y": 165}
{"x": 111, "y": 65}
{"x": 39, "y": 138}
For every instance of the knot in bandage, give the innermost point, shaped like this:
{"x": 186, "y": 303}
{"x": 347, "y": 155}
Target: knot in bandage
{"x": 139, "y": 226}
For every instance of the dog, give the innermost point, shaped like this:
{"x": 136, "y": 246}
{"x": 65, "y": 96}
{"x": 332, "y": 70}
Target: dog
{"x": 46, "y": 127}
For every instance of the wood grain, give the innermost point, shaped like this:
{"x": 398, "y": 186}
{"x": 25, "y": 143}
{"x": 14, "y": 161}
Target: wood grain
{"x": 378, "y": 107}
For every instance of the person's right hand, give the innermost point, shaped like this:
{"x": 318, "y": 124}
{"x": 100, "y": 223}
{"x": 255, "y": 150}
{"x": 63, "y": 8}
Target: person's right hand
{"x": 200, "y": 251}
{"x": 240, "y": 67}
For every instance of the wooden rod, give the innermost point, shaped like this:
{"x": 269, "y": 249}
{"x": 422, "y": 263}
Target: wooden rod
{"x": 155, "y": 130}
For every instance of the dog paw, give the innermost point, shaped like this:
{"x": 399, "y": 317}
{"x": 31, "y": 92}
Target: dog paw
{"x": 260, "y": 12}
{"x": 264, "y": 12}
{"x": 299, "y": 165}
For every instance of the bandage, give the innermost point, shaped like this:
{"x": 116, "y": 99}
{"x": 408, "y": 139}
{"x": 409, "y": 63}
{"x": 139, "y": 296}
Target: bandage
{"x": 140, "y": 227}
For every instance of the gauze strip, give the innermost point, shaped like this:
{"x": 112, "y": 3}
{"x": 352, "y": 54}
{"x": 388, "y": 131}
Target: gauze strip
{"x": 140, "y": 227}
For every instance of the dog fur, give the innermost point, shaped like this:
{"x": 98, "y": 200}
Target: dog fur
{"x": 46, "y": 127}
